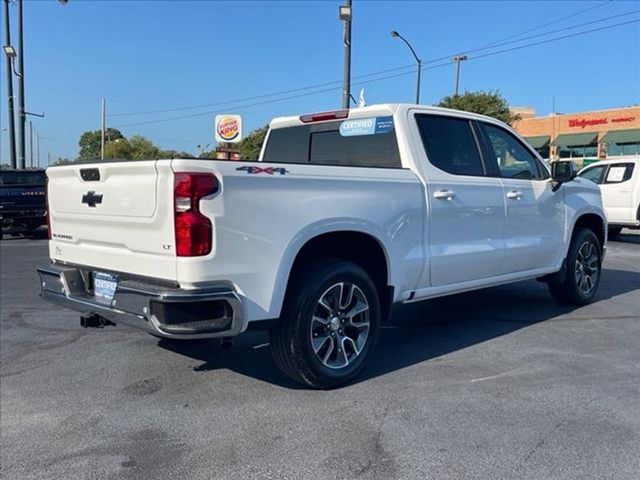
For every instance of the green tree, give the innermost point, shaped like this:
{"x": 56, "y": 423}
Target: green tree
{"x": 142, "y": 148}
{"x": 62, "y": 161}
{"x": 251, "y": 145}
{"x": 90, "y": 142}
{"x": 492, "y": 104}
{"x": 119, "y": 148}
{"x": 174, "y": 154}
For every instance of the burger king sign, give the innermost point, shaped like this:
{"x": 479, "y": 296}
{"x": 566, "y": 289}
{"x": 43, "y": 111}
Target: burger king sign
{"x": 228, "y": 128}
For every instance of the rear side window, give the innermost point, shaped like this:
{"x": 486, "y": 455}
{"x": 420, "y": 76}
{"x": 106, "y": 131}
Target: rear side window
{"x": 619, "y": 172}
{"x": 323, "y": 144}
{"x": 450, "y": 144}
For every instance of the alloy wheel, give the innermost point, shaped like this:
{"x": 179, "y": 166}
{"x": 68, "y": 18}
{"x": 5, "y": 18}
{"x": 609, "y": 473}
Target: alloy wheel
{"x": 340, "y": 325}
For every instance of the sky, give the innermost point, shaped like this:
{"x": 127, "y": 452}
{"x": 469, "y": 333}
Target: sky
{"x": 145, "y": 56}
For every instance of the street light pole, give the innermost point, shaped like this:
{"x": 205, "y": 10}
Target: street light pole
{"x": 458, "y": 59}
{"x": 22, "y": 115}
{"x": 30, "y": 143}
{"x": 346, "y": 16}
{"x": 11, "y": 117}
{"x": 418, "y": 61}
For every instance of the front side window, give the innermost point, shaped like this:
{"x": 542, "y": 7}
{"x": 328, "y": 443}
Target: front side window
{"x": 594, "y": 174}
{"x": 513, "y": 159}
{"x": 450, "y": 144}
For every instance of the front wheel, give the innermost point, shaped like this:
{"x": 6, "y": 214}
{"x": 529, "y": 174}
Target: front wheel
{"x": 583, "y": 271}
{"x": 329, "y": 324}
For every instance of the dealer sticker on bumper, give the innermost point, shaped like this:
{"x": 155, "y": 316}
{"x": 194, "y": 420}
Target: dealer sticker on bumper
{"x": 104, "y": 287}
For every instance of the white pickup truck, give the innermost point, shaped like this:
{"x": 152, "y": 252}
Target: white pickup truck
{"x": 345, "y": 213}
{"x": 619, "y": 182}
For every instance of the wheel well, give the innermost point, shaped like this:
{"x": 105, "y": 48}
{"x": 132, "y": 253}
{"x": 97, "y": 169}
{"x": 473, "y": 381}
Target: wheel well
{"x": 357, "y": 247}
{"x": 594, "y": 223}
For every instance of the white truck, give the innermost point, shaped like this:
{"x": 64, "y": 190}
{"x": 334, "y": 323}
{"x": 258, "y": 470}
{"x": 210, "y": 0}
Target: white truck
{"x": 619, "y": 182}
{"x": 345, "y": 213}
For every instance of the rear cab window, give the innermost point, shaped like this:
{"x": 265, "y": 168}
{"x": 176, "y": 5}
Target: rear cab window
{"x": 358, "y": 142}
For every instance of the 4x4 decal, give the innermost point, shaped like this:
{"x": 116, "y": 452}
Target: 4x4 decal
{"x": 267, "y": 170}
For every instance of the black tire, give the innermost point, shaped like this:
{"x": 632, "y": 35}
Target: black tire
{"x": 613, "y": 231}
{"x": 292, "y": 336}
{"x": 571, "y": 289}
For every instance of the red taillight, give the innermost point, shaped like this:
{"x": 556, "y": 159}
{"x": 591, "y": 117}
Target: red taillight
{"x": 193, "y": 230}
{"x": 323, "y": 116}
{"x": 48, "y": 211}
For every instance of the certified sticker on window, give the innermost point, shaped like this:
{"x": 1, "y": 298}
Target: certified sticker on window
{"x": 366, "y": 126}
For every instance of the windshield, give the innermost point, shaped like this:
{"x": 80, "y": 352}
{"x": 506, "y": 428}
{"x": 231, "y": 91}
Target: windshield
{"x": 35, "y": 177}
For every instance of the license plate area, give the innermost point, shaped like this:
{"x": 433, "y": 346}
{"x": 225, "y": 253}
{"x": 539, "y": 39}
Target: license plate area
{"x": 104, "y": 287}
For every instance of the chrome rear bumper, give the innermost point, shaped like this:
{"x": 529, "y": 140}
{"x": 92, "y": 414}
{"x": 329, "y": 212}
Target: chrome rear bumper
{"x": 215, "y": 311}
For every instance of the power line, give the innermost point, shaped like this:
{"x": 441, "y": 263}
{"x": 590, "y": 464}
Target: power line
{"x": 291, "y": 97}
{"x": 257, "y": 97}
{"x": 543, "y": 34}
{"x": 546, "y": 24}
{"x": 274, "y": 100}
{"x": 389, "y": 70}
{"x": 577, "y": 34}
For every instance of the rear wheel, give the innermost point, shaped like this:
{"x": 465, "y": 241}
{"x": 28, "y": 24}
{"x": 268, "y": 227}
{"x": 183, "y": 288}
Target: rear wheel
{"x": 582, "y": 276}
{"x": 329, "y": 324}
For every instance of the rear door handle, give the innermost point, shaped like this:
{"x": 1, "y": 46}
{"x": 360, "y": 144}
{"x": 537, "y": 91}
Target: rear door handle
{"x": 444, "y": 195}
{"x": 514, "y": 195}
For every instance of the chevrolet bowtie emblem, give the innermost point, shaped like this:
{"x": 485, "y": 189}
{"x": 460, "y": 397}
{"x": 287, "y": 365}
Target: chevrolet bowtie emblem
{"x": 92, "y": 198}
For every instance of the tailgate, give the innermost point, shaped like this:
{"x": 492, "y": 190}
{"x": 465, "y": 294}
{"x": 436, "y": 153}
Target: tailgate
{"x": 115, "y": 216}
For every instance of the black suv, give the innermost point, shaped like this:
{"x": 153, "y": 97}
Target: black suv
{"x": 23, "y": 201}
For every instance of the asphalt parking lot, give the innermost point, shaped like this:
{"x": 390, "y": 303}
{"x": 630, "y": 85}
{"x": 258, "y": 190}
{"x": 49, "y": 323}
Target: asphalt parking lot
{"x": 496, "y": 384}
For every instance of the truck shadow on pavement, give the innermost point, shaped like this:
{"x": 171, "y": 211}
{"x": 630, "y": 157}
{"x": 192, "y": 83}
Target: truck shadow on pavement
{"x": 416, "y": 332}
{"x": 625, "y": 237}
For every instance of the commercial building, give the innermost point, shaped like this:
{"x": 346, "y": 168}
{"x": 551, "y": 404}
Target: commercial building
{"x": 582, "y": 136}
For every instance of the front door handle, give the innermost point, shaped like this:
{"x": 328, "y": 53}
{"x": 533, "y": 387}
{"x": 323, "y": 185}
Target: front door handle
{"x": 444, "y": 195}
{"x": 514, "y": 195}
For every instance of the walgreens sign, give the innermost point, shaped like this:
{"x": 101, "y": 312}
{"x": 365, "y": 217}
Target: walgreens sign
{"x": 584, "y": 122}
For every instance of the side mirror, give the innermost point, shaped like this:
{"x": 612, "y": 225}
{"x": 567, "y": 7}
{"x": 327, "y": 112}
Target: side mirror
{"x": 563, "y": 171}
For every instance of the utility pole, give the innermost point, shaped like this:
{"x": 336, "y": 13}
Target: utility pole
{"x": 458, "y": 59}
{"x": 38, "y": 149}
{"x": 22, "y": 114}
{"x": 11, "y": 118}
{"x": 102, "y": 127}
{"x": 30, "y": 143}
{"x": 48, "y": 158}
{"x": 346, "y": 16}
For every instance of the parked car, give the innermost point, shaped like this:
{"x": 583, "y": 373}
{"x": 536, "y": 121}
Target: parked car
{"x": 23, "y": 201}
{"x": 619, "y": 182}
{"x": 345, "y": 213}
